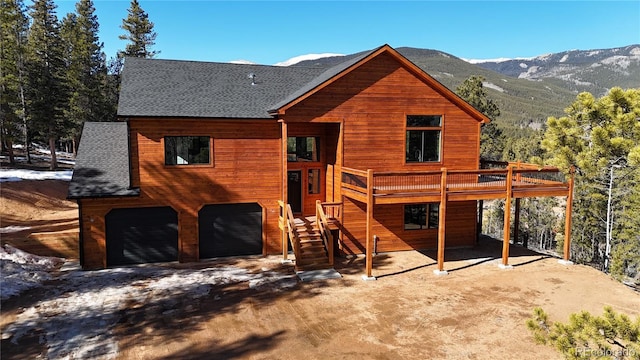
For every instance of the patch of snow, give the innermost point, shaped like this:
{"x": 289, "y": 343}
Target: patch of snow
{"x": 13, "y": 229}
{"x": 492, "y": 86}
{"x": 504, "y": 80}
{"x": 297, "y": 59}
{"x": 80, "y": 309}
{"x": 635, "y": 51}
{"x": 496, "y": 60}
{"x": 22, "y": 271}
{"x": 564, "y": 58}
{"x": 445, "y": 55}
{"x": 243, "y": 62}
{"x": 529, "y": 73}
{"x": 621, "y": 61}
{"x": 7, "y": 175}
{"x": 523, "y": 65}
{"x": 593, "y": 53}
{"x": 447, "y": 74}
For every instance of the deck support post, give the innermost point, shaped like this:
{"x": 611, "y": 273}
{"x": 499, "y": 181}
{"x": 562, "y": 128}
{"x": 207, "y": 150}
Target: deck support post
{"x": 369, "y": 232}
{"x": 480, "y": 218}
{"x": 441, "y": 223}
{"x": 566, "y": 254}
{"x": 516, "y": 224}
{"x": 507, "y": 220}
{"x": 284, "y": 195}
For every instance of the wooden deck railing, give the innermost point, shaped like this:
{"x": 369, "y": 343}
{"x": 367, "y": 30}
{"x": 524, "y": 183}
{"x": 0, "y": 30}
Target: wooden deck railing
{"x": 518, "y": 176}
{"x": 322, "y": 222}
{"x": 285, "y": 222}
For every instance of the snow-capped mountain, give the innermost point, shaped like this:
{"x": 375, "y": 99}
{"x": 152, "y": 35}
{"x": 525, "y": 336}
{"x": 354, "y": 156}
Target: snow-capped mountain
{"x": 595, "y": 71}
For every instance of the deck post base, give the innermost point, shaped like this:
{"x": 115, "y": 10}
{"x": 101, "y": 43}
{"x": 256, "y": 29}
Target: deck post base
{"x": 565, "y": 262}
{"x": 441, "y": 272}
{"x": 288, "y": 261}
{"x": 368, "y": 278}
{"x": 505, "y": 267}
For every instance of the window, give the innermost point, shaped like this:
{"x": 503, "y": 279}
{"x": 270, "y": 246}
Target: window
{"x": 314, "y": 181}
{"x": 421, "y": 216}
{"x": 303, "y": 149}
{"x": 186, "y": 150}
{"x": 423, "y": 138}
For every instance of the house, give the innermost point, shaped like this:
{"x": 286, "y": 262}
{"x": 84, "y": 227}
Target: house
{"x": 218, "y": 159}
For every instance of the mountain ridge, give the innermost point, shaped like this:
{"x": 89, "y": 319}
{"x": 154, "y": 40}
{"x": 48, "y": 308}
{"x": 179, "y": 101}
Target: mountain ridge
{"x": 528, "y": 90}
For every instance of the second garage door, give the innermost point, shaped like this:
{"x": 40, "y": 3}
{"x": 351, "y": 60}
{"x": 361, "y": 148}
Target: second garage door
{"x": 230, "y": 230}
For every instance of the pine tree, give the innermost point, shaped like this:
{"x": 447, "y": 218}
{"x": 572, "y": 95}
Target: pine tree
{"x": 86, "y": 69}
{"x": 140, "y": 33}
{"x": 47, "y": 93}
{"x": 600, "y": 137}
{"x": 492, "y": 141}
{"x": 585, "y": 336}
{"x": 13, "y": 38}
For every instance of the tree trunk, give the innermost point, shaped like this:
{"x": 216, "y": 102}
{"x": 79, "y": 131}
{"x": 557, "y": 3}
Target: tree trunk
{"x": 52, "y": 147}
{"x": 10, "y": 151}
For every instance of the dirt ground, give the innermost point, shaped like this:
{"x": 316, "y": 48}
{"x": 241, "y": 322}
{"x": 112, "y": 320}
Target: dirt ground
{"x": 477, "y": 311}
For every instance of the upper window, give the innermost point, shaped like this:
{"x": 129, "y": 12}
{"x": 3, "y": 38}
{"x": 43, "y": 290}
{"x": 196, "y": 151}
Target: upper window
{"x": 186, "y": 150}
{"x": 421, "y": 216}
{"x": 424, "y": 133}
{"x": 303, "y": 149}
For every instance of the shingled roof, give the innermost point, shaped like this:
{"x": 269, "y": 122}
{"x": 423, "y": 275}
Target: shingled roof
{"x": 171, "y": 88}
{"x": 102, "y": 164}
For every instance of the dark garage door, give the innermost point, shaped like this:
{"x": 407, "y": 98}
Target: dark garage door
{"x": 230, "y": 230}
{"x": 142, "y": 235}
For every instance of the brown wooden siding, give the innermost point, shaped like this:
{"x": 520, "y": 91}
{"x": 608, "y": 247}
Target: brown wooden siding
{"x": 245, "y": 169}
{"x": 389, "y": 227}
{"x": 372, "y": 102}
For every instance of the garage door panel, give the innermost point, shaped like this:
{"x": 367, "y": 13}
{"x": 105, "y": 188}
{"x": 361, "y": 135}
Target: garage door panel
{"x": 142, "y": 235}
{"x": 230, "y": 230}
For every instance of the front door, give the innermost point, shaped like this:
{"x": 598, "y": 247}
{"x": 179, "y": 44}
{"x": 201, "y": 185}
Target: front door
{"x": 306, "y": 173}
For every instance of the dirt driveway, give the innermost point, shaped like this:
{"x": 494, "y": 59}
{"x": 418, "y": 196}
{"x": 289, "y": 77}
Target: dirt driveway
{"x": 478, "y": 311}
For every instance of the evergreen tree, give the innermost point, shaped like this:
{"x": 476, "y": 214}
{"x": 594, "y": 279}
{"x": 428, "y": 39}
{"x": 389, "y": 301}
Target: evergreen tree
{"x": 47, "y": 94}
{"x": 610, "y": 336}
{"x": 601, "y": 137}
{"x": 492, "y": 140}
{"x": 86, "y": 69}
{"x": 140, "y": 33}
{"x": 13, "y": 37}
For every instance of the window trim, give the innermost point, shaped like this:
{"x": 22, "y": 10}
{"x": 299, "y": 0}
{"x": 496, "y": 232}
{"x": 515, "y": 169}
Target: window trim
{"x": 424, "y": 128}
{"x": 210, "y": 164}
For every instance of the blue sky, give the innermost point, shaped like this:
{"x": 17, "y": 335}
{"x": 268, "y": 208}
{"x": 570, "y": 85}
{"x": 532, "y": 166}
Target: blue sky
{"x": 267, "y": 32}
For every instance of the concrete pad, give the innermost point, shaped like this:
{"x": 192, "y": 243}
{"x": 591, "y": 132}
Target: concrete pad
{"x": 440, "y": 273}
{"x": 505, "y": 267}
{"x": 368, "y": 278}
{"x": 565, "y": 262}
{"x": 322, "y": 274}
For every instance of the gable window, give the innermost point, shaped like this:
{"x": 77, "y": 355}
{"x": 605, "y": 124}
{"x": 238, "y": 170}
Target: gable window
{"x": 424, "y": 133}
{"x": 421, "y": 216}
{"x": 303, "y": 149}
{"x": 187, "y": 150}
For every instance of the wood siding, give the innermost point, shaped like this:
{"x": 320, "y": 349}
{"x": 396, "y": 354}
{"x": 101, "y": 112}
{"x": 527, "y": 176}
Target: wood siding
{"x": 372, "y": 103}
{"x": 388, "y": 226}
{"x": 245, "y": 169}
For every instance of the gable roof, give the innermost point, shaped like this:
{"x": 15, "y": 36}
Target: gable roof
{"x": 173, "y": 88}
{"x": 102, "y": 164}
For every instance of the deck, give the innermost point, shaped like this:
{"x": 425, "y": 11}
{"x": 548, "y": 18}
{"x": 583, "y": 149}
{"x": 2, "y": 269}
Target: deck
{"x": 457, "y": 185}
{"x": 514, "y": 181}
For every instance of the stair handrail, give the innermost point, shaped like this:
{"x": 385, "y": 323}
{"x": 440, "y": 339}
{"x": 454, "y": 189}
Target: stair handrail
{"x": 287, "y": 220}
{"x": 323, "y": 225}
{"x": 294, "y": 239}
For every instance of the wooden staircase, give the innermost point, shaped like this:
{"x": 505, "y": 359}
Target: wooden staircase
{"x": 313, "y": 254}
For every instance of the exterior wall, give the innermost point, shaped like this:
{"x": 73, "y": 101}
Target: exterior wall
{"x": 372, "y": 102}
{"x": 245, "y": 169}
